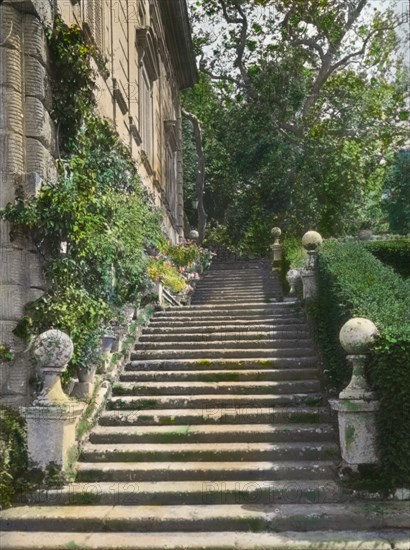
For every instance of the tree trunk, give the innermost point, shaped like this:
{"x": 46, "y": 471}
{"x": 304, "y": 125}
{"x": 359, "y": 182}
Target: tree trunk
{"x": 200, "y": 172}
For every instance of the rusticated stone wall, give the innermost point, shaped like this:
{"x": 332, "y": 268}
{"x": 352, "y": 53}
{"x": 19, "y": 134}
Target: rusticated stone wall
{"x": 27, "y": 149}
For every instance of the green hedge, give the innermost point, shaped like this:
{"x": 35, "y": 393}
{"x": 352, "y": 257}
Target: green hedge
{"x": 353, "y": 283}
{"x": 396, "y": 254}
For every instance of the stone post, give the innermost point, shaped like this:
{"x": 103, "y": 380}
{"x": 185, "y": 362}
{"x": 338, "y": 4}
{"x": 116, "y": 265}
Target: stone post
{"x": 357, "y": 405}
{"x": 52, "y": 419}
{"x": 310, "y": 241}
{"x": 193, "y": 236}
{"x": 276, "y": 248}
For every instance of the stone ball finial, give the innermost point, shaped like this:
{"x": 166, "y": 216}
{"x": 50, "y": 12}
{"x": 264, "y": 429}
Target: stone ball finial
{"x": 276, "y": 232}
{"x": 53, "y": 349}
{"x": 311, "y": 240}
{"x": 357, "y": 335}
{"x": 193, "y": 235}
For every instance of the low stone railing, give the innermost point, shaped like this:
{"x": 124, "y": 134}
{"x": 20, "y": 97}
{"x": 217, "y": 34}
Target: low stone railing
{"x": 357, "y": 404}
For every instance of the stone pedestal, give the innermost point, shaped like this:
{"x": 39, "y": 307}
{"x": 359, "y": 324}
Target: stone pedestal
{"x": 357, "y": 430}
{"x": 83, "y": 390}
{"x": 357, "y": 406}
{"x": 51, "y": 434}
{"x": 52, "y": 419}
{"x": 309, "y": 283}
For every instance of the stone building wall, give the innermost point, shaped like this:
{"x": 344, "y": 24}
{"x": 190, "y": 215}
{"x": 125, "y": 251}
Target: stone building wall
{"x": 138, "y": 40}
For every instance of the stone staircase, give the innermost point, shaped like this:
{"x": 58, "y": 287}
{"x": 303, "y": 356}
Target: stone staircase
{"x": 217, "y": 436}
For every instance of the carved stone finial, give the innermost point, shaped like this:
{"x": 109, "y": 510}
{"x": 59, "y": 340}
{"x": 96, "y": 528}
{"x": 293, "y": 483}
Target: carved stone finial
{"x": 311, "y": 240}
{"x": 292, "y": 277}
{"x": 193, "y": 235}
{"x": 52, "y": 350}
{"x": 356, "y": 336}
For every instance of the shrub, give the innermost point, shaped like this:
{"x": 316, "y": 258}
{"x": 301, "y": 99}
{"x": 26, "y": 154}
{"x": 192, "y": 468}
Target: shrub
{"x": 353, "y": 283}
{"x": 396, "y": 254}
{"x": 13, "y": 455}
{"x": 163, "y": 270}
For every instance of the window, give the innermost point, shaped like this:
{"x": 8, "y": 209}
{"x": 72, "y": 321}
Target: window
{"x": 171, "y": 181}
{"x": 171, "y": 168}
{"x": 146, "y": 115}
{"x": 94, "y": 19}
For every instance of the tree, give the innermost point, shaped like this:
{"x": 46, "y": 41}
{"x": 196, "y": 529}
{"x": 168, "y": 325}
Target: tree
{"x": 301, "y": 100}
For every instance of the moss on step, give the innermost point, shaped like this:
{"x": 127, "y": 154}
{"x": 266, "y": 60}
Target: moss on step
{"x": 313, "y": 401}
{"x": 220, "y": 377}
{"x": 84, "y": 498}
{"x": 268, "y": 363}
{"x": 175, "y": 436}
{"x": 132, "y": 405}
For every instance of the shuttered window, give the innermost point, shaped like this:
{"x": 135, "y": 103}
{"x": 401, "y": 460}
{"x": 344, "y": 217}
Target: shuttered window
{"x": 146, "y": 116}
{"x": 94, "y": 17}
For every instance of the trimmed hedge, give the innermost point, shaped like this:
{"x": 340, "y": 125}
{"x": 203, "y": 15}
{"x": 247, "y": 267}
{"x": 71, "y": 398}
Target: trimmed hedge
{"x": 353, "y": 283}
{"x": 396, "y": 254}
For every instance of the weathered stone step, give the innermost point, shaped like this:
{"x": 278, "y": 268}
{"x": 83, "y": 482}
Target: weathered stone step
{"x": 233, "y": 301}
{"x": 225, "y": 364}
{"x": 225, "y": 433}
{"x": 245, "y": 290}
{"x": 284, "y": 321}
{"x": 289, "y": 540}
{"x": 209, "y": 452}
{"x": 213, "y": 401}
{"x": 279, "y": 307}
{"x": 215, "y": 336}
{"x": 241, "y": 328}
{"x": 219, "y": 375}
{"x": 262, "y": 343}
{"x": 229, "y": 387}
{"x": 160, "y": 519}
{"x": 224, "y": 353}
{"x": 194, "y": 492}
{"x": 203, "y": 471}
{"x": 220, "y": 415}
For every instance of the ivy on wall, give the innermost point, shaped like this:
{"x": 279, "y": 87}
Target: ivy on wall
{"x": 93, "y": 226}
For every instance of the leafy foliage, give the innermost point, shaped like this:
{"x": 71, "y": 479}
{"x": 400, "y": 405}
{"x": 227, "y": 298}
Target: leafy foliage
{"x": 98, "y": 211}
{"x": 353, "y": 283}
{"x": 397, "y": 193}
{"x": 13, "y": 455}
{"x": 300, "y": 103}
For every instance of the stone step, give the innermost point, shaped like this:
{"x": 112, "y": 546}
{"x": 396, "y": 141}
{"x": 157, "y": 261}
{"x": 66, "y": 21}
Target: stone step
{"x": 233, "y": 301}
{"x": 154, "y": 493}
{"x": 262, "y": 343}
{"x": 245, "y": 290}
{"x": 224, "y": 364}
{"x": 216, "y": 336}
{"x": 279, "y": 307}
{"x": 209, "y": 452}
{"x": 221, "y": 415}
{"x": 211, "y": 388}
{"x": 226, "y": 321}
{"x": 213, "y": 401}
{"x": 225, "y": 433}
{"x": 203, "y": 471}
{"x": 216, "y": 518}
{"x": 241, "y": 328}
{"x": 220, "y": 540}
{"x": 219, "y": 375}
{"x": 224, "y": 353}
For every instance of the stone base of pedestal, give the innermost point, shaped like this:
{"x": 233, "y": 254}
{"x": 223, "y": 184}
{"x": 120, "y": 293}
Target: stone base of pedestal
{"x": 357, "y": 430}
{"x": 51, "y": 433}
{"x": 309, "y": 283}
{"x": 83, "y": 390}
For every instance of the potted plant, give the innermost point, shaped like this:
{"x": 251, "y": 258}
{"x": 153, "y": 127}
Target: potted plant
{"x": 89, "y": 358}
{"x": 107, "y": 340}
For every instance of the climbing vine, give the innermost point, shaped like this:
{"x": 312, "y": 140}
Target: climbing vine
{"x": 92, "y": 227}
